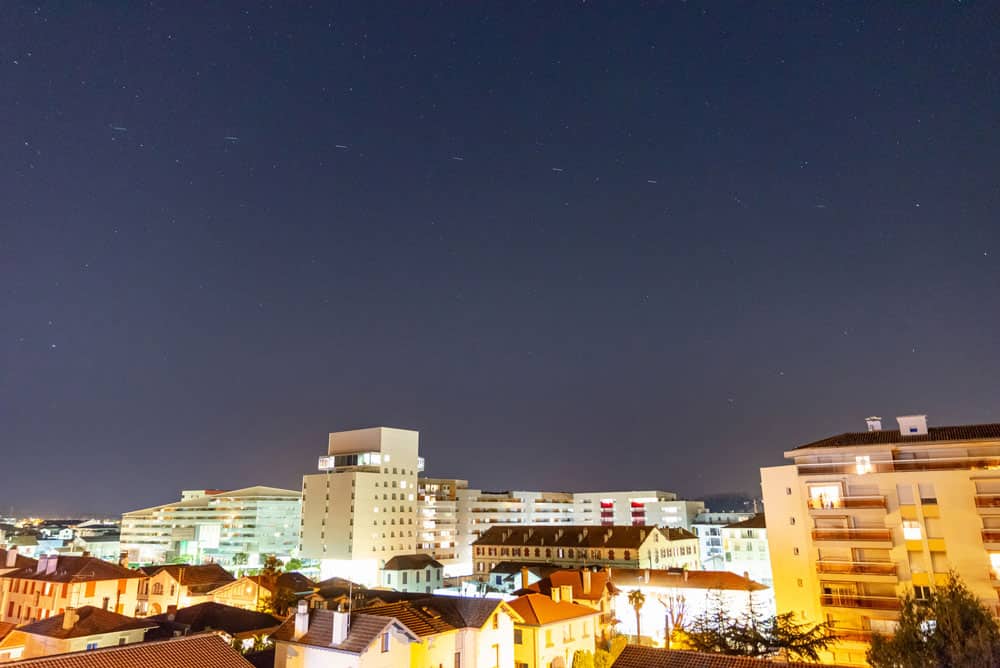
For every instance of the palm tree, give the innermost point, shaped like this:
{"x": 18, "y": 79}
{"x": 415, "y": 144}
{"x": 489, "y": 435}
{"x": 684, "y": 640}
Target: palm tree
{"x": 636, "y": 599}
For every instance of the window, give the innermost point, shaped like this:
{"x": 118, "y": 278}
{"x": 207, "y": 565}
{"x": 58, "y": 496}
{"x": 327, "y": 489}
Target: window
{"x": 863, "y": 464}
{"x": 518, "y": 637}
{"x": 385, "y": 643}
{"x": 404, "y": 577}
{"x": 496, "y": 621}
{"x": 91, "y": 645}
{"x": 91, "y": 588}
{"x": 548, "y": 637}
{"x": 458, "y": 660}
{"x": 795, "y": 551}
{"x": 921, "y": 592}
{"x": 911, "y": 530}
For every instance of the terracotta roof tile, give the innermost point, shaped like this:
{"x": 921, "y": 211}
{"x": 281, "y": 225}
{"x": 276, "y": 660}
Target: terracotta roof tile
{"x": 204, "y": 651}
{"x": 91, "y": 621}
{"x": 628, "y": 578}
{"x": 755, "y": 522}
{"x": 969, "y": 432}
{"x": 599, "y": 584}
{"x": 538, "y": 609}
{"x": 634, "y": 656}
{"x": 77, "y": 569}
{"x": 364, "y": 630}
{"x": 435, "y": 614}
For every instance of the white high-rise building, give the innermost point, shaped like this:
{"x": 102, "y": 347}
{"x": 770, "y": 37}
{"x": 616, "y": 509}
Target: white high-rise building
{"x": 361, "y": 509}
{"x": 644, "y": 507}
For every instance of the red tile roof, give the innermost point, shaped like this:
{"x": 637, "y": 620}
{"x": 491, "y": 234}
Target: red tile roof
{"x": 599, "y": 584}
{"x": 204, "y": 651}
{"x": 364, "y": 629}
{"x": 90, "y": 621}
{"x": 629, "y": 578}
{"x": 755, "y": 522}
{"x": 969, "y": 432}
{"x": 237, "y": 622}
{"x": 538, "y": 610}
{"x": 76, "y": 569}
{"x": 634, "y": 656}
{"x": 200, "y": 577}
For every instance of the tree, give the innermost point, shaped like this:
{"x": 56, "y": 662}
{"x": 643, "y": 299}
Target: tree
{"x": 583, "y": 659}
{"x": 272, "y": 566}
{"x": 293, "y": 565}
{"x": 279, "y": 602}
{"x": 674, "y": 607}
{"x": 603, "y": 658}
{"x": 636, "y": 599}
{"x": 950, "y": 627}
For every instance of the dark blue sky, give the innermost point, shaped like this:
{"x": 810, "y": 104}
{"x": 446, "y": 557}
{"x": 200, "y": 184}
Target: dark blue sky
{"x": 578, "y": 246}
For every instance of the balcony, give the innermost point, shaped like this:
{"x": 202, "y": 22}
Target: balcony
{"x": 991, "y": 535}
{"x": 854, "y": 535}
{"x": 988, "y": 501}
{"x": 859, "y": 601}
{"x": 853, "y": 635}
{"x": 849, "y": 502}
{"x": 910, "y": 465}
{"x": 856, "y": 567}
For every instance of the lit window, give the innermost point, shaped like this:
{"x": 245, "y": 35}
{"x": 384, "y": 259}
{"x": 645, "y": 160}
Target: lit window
{"x": 863, "y": 464}
{"x": 824, "y": 496}
{"x": 911, "y": 530}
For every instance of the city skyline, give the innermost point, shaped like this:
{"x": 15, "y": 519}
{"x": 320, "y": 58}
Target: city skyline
{"x": 577, "y": 248}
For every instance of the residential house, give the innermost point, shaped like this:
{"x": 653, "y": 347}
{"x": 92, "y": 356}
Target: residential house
{"x": 336, "y": 639}
{"x": 675, "y": 595}
{"x": 79, "y": 629}
{"x": 202, "y": 651}
{"x": 593, "y": 589}
{"x": 180, "y": 585}
{"x": 509, "y": 576}
{"x": 456, "y": 631}
{"x": 581, "y": 546}
{"x": 243, "y": 626}
{"x": 57, "y": 583}
{"x": 254, "y": 592}
{"x": 746, "y": 553}
{"x": 550, "y": 631}
{"x": 418, "y": 573}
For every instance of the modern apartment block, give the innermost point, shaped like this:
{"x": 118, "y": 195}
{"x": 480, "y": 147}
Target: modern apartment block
{"x": 746, "y": 552}
{"x": 216, "y": 526}
{"x": 859, "y": 518}
{"x": 708, "y": 526}
{"x": 639, "y": 508}
{"x": 437, "y": 507}
{"x": 361, "y": 509}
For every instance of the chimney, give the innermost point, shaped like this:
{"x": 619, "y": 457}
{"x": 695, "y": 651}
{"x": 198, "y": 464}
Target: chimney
{"x": 50, "y": 565}
{"x": 645, "y": 576}
{"x": 301, "y": 620}
{"x": 42, "y": 562}
{"x": 524, "y": 577}
{"x": 341, "y": 625}
{"x": 86, "y": 554}
{"x": 566, "y": 593}
{"x": 11, "y": 557}
{"x": 69, "y": 618}
{"x": 171, "y": 613}
{"x": 874, "y": 423}
{"x": 556, "y": 594}
{"x": 912, "y": 425}
{"x": 685, "y": 575}
{"x": 586, "y": 580}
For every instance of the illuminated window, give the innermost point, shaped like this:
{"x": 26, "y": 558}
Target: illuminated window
{"x": 824, "y": 496}
{"x": 911, "y": 530}
{"x": 863, "y": 464}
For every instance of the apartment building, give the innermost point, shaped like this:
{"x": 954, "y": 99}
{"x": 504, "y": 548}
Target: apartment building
{"x": 226, "y": 527}
{"x": 58, "y": 583}
{"x": 641, "y": 508}
{"x": 859, "y": 518}
{"x": 746, "y": 552}
{"x": 361, "y": 509}
{"x": 437, "y": 508}
{"x": 708, "y": 526}
{"x": 580, "y": 546}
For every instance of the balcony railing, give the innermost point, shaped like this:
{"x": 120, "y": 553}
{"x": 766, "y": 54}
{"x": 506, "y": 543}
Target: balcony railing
{"x": 875, "y": 535}
{"x": 853, "y": 635}
{"x": 860, "y": 601}
{"x": 988, "y": 500}
{"x": 856, "y": 567}
{"x": 926, "y": 464}
{"x": 991, "y": 535}
{"x": 848, "y": 502}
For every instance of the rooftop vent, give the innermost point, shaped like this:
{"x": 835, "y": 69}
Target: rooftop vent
{"x": 912, "y": 425}
{"x": 874, "y": 423}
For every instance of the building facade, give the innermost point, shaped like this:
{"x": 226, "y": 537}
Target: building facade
{"x": 234, "y": 527}
{"x": 361, "y": 509}
{"x": 860, "y": 518}
{"x": 640, "y": 508}
{"x": 437, "y": 507}
{"x": 746, "y": 552}
{"x": 707, "y": 526}
{"x": 418, "y": 573}
{"x": 550, "y": 632}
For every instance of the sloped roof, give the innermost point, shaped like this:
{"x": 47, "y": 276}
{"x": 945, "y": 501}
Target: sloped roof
{"x": 600, "y": 582}
{"x": 215, "y": 617}
{"x": 755, "y": 522}
{"x": 969, "y": 432}
{"x": 634, "y": 656}
{"x": 200, "y": 577}
{"x": 629, "y": 578}
{"x": 584, "y": 536}
{"x": 538, "y": 609}
{"x": 411, "y": 562}
{"x": 294, "y": 582}
{"x": 91, "y": 621}
{"x": 457, "y": 612}
{"x": 77, "y": 569}
{"x": 21, "y": 561}
{"x": 204, "y": 651}
{"x": 364, "y": 629}
{"x": 5, "y": 628}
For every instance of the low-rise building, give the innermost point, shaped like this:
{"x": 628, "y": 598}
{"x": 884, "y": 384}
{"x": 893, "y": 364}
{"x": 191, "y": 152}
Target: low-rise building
{"x": 234, "y": 527}
{"x": 246, "y": 627}
{"x": 708, "y": 526}
{"x": 256, "y": 592}
{"x": 75, "y": 630}
{"x": 101, "y": 546}
{"x": 418, "y": 573}
{"x": 57, "y": 583}
{"x": 179, "y": 585}
{"x": 550, "y": 631}
{"x": 314, "y": 637}
{"x": 583, "y": 586}
{"x": 581, "y": 546}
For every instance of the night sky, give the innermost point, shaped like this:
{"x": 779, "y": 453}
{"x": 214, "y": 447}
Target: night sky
{"x": 578, "y": 246}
